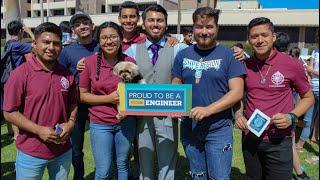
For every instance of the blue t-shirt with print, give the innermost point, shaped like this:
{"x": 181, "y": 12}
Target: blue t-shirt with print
{"x": 212, "y": 69}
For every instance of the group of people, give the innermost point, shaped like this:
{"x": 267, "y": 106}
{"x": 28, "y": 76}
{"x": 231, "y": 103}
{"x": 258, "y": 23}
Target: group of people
{"x": 64, "y": 87}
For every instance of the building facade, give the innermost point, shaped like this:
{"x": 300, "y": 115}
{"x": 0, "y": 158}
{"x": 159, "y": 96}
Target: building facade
{"x": 300, "y": 24}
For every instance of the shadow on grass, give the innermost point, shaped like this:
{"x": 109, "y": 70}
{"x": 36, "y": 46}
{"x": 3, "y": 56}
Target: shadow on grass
{"x": 8, "y": 171}
{"x": 311, "y": 149}
{"x": 90, "y": 176}
{"x": 236, "y": 174}
{"x": 182, "y": 170}
{"x": 6, "y": 140}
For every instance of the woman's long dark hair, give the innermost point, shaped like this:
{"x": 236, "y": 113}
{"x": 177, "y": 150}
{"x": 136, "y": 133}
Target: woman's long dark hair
{"x": 115, "y": 26}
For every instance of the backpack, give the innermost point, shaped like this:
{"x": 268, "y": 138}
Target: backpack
{"x": 7, "y": 63}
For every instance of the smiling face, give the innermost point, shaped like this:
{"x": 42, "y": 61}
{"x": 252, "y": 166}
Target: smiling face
{"x": 205, "y": 32}
{"x": 128, "y": 19}
{"x": 47, "y": 47}
{"x": 109, "y": 41}
{"x": 261, "y": 38}
{"x": 83, "y": 28}
{"x": 155, "y": 25}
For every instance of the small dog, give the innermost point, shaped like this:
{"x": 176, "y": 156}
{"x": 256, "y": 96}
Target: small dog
{"x": 128, "y": 73}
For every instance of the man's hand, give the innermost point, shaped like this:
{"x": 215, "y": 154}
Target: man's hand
{"x": 81, "y": 65}
{"x": 172, "y": 41}
{"x": 281, "y": 121}
{"x": 238, "y": 53}
{"x": 67, "y": 128}
{"x": 241, "y": 121}
{"x": 47, "y": 134}
{"x": 199, "y": 113}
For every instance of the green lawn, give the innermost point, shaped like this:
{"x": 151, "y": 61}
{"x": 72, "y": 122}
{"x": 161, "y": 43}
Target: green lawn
{"x": 8, "y": 152}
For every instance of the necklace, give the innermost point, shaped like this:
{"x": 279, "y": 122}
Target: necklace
{"x": 263, "y": 78}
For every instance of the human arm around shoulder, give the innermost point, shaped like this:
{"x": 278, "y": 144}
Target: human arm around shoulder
{"x": 13, "y": 93}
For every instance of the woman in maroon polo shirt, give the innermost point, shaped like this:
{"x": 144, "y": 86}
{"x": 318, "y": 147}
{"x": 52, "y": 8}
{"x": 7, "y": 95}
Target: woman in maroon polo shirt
{"x": 98, "y": 88}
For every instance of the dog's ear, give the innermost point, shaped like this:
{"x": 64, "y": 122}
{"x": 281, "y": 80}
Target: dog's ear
{"x": 116, "y": 69}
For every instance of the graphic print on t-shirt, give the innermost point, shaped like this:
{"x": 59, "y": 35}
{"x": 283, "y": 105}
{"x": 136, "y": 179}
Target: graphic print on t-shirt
{"x": 201, "y": 65}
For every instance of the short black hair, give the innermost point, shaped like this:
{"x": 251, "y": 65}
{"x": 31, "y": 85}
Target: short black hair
{"x": 294, "y": 52}
{"x": 129, "y": 5}
{"x": 239, "y": 45}
{"x": 259, "y": 21}
{"x": 206, "y": 12}
{"x": 156, "y": 8}
{"x": 187, "y": 30}
{"x": 282, "y": 42}
{"x": 65, "y": 26}
{"x": 47, "y": 27}
{"x": 14, "y": 27}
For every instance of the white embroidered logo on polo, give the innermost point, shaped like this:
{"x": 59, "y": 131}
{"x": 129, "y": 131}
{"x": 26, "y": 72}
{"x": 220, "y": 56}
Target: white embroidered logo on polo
{"x": 64, "y": 83}
{"x": 277, "y": 79}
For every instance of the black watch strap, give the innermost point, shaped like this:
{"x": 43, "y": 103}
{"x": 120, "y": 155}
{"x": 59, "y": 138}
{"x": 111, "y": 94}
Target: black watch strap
{"x": 293, "y": 118}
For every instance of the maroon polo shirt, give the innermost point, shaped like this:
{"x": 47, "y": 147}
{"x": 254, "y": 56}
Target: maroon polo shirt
{"x": 107, "y": 83}
{"x": 43, "y": 97}
{"x": 136, "y": 39}
{"x": 276, "y": 94}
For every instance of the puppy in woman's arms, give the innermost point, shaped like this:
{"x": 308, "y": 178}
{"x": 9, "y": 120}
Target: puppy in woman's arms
{"x": 128, "y": 73}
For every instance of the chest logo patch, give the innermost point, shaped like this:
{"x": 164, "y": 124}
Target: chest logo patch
{"x": 277, "y": 78}
{"x": 64, "y": 83}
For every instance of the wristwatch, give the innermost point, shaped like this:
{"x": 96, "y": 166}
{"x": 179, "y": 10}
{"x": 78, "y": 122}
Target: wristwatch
{"x": 294, "y": 118}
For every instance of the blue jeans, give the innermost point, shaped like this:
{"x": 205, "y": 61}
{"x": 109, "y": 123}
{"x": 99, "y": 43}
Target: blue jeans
{"x": 107, "y": 140}
{"x": 29, "y": 167}
{"x": 209, "y": 152}
{"x": 77, "y": 140}
{"x": 309, "y": 118}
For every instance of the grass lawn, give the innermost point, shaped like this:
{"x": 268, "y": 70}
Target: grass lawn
{"x": 8, "y": 153}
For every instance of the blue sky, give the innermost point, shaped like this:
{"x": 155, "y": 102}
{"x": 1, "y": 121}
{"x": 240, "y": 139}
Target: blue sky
{"x": 290, "y": 4}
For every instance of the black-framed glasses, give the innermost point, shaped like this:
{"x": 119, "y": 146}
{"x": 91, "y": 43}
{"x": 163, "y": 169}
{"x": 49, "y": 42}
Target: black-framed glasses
{"x": 112, "y": 38}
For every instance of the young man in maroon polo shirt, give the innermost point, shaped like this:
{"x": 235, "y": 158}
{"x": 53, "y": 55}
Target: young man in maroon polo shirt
{"x": 271, "y": 78}
{"x": 39, "y": 95}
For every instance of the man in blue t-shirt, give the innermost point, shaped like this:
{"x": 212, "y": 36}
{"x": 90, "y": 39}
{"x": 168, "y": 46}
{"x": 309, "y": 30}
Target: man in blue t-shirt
{"x": 217, "y": 84}
{"x": 82, "y": 26}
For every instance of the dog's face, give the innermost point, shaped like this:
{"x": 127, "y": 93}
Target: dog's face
{"x": 126, "y": 71}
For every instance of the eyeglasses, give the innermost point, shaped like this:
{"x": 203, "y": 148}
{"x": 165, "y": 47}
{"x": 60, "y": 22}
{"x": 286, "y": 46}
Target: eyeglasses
{"x": 112, "y": 38}
{"x": 85, "y": 22}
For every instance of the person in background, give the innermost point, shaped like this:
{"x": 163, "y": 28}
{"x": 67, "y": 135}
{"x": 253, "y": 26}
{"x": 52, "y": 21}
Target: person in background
{"x": 281, "y": 44}
{"x": 68, "y": 36}
{"x": 41, "y": 100}
{"x": 309, "y": 117}
{"x": 18, "y": 50}
{"x": 110, "y": 137}
{"x": 187, "y": 35}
